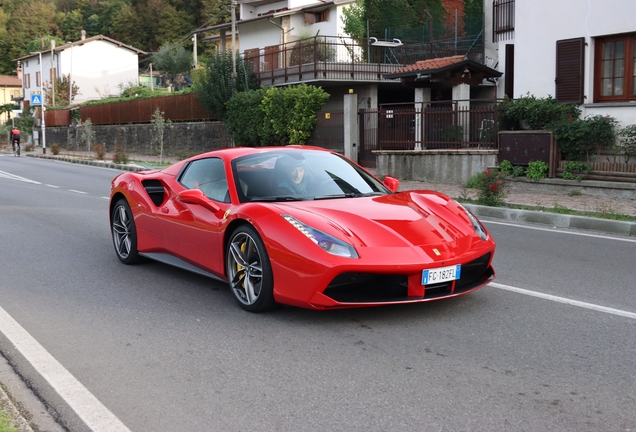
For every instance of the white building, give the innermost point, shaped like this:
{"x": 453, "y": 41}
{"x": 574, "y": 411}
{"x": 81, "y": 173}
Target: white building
{"x": 98, "y": 65}
{"x": 578, "y": 51}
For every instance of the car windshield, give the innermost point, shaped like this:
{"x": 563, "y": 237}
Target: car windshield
{"x": 295, "y": 175}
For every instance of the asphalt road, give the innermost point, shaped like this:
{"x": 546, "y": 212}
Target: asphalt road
{"x": 156, "y": 348}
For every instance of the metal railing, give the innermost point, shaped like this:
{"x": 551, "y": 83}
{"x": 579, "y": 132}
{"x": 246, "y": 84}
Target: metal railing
{"x": 342, "y": 58}
{"x": 459, "y": 124}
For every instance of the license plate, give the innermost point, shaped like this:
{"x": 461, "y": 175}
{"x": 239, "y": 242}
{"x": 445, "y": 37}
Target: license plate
{"x": 439, "y": 275}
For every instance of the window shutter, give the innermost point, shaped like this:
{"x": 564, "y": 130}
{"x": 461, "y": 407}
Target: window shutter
{"x": 509, "y": 71}
{"x": 310, "y": 18}
{"x": 569, "y": 70}
{"x": 326, "y": 15}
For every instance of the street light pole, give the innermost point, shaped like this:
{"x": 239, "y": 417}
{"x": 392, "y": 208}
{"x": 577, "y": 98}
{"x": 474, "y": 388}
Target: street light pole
{"x": 42, "y": 106}
{"x": 70, "y": 79}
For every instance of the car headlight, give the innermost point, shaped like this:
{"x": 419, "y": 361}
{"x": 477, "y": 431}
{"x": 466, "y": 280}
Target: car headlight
{"x": 477, "y": 226}
{"x": 325, "y": 241}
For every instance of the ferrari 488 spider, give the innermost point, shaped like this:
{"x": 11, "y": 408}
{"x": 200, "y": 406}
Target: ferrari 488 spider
{"x": 300, "y": 226}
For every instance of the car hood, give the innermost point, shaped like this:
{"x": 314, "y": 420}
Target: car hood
{"x": 396, "y": 220}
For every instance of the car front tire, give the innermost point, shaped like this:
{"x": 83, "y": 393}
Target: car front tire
{"x": 249, "y": 270}
{"x": 124, "y": 233}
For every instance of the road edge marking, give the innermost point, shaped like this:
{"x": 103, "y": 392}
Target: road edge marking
{"x": 96, "y": 416}
{"x": 565, "y": 300}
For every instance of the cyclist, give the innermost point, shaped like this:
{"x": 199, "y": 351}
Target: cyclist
{"x": 15, "y": 140}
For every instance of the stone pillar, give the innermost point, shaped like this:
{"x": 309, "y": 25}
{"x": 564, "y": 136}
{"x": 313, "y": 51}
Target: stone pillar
{"x": 350, "y": 121}
{"x": 461, "y": 93}
{"x": 422, "y": 96}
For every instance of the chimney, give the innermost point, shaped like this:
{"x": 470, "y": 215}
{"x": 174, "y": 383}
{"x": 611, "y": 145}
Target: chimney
{"x": 83, "y": 35}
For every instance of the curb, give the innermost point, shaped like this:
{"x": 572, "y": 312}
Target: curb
{"x": 103, "y": 164}
{"x": 555, "y": 220}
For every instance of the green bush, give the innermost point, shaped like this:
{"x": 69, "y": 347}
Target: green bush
{"x": 506, "y": 167}
{"x": 537, "y": 170}
{"x": 577, "y": 138}
{"x": 491, "y": 187}
{"x": 120, "y": 156}
{"x": 518, "y": 171}
{"x": 245, "y": 117}
{"x": 290, "y": 113}
{"x": 571, "y": 167}
{"x": 627, "y": 142}
{"x": 535, "y": 113}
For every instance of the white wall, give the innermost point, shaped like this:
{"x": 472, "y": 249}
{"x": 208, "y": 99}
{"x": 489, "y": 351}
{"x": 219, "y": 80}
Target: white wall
{"x": 99, "y": 69}
{"x": 540, "y": 23}
{"x": 259, "y": 34}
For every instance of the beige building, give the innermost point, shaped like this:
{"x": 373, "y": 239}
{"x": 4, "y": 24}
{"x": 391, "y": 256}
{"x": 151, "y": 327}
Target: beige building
{"x": 10, "y": 92}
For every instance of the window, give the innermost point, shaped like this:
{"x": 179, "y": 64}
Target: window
{"x": 27, "y": 81}
{"x": 615, "y": 68}
{"x": 37, "y": 79}
{"x": 503, "y": 22}
{"x": 316, "y": 17}
{"x": 208, "y": 175}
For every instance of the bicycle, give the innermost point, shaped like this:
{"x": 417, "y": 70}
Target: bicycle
{"x": 16, "y": 148}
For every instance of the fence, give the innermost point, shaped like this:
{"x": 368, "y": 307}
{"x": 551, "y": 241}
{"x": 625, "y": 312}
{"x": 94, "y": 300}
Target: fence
{"x": 468, "y": 124}
{"x": 176, "y": 108}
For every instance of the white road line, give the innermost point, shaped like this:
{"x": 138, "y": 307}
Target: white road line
{"x": 564, "y": 300}
{"x": 52, "y": 186}
{"x": 559, "y": 230}
{"x": 76, "y": 191}
{"x": 84, "y": 403}
{"x": 7, "y": 175}
{"x": 106, "y": 198}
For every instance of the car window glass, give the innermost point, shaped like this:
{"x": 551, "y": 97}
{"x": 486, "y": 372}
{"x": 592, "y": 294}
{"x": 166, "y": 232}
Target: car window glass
{"x": 208, "y": 175}
{"x": 272, "y": 175}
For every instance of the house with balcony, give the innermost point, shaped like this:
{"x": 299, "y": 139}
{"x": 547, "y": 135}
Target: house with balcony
{"x": 294, "y": 41}
{"x": 97, "y": 65}
{"x": 579, "y": 52}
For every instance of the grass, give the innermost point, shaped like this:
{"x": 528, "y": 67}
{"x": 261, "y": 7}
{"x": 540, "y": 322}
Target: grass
{"x": 6, "y": 422}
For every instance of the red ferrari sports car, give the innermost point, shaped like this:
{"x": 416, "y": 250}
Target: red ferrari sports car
{"x": 301, "y": 226}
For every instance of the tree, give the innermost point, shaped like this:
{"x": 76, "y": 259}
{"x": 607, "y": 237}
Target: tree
{"x": 61, "y": 91}
{"x": 353, "y": 19}
{"x": 173, "y": 60}
{"x": 159, "y": 123}
{"x": 215, "y": 86}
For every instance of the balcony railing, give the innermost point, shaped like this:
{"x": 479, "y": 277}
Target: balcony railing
{"x": 340, "y": 58}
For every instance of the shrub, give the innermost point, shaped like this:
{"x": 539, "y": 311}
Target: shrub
{"x": 581, "y": 137}
{"x": 537, "y": 170}
{"x": 535, "y": 113}
{"x": 29, "y": 147}
{"x": 99, "y": 151}
{"x": 570, "y": 167}
{"x": 627, "y": 142}
{"x": 506, "y": 167}
{"x": 491, "y": 187}
{"x": 518, "y": 171}
{"x": 245, "y": 118}
{"x": 120, "y": 156}
{"x": 55, "y": 149}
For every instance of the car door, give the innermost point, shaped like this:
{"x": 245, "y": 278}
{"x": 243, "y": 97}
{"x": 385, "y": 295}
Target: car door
{"x": 194, "y": 232}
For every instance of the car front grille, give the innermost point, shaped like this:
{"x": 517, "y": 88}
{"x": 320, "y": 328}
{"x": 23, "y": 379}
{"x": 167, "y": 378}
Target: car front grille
{"x": 378, "y": 288}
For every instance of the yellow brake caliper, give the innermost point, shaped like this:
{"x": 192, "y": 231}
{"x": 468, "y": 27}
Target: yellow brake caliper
{"x": 239, "y": 267}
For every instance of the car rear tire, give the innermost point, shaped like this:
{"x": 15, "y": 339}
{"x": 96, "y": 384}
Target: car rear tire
{"x": 124, "y": 233}
{"x": 249, "y": 270}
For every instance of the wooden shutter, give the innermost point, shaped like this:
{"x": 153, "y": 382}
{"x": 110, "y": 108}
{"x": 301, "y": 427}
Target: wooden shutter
{"x": 570, "y": 54}
{"x": 310, "y": 18}
{"x": 509, "y": 71}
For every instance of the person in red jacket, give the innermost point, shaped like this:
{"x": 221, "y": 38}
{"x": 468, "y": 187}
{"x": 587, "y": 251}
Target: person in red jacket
{"x": 15, "y": 138}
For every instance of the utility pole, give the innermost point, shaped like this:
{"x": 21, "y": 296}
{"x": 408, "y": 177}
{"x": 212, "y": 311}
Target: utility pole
{"x": 152, "y": 79}
{"x": 233, "y": 46}
{"x": 194, "y": 40}
{"x": 52, "y": 74}
{"x": 70, "y": 79}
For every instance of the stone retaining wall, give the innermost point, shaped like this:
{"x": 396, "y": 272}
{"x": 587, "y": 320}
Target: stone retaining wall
{"x": 434, "y": 166}
{"x": 180, "y": 139}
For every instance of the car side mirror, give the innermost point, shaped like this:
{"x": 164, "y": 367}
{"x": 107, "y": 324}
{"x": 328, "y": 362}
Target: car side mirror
{"x": 196, "y": 196}
{"x": 392, "y": 183}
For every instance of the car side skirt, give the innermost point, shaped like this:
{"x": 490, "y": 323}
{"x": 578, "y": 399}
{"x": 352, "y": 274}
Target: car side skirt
{"x": 177, "y": 262}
